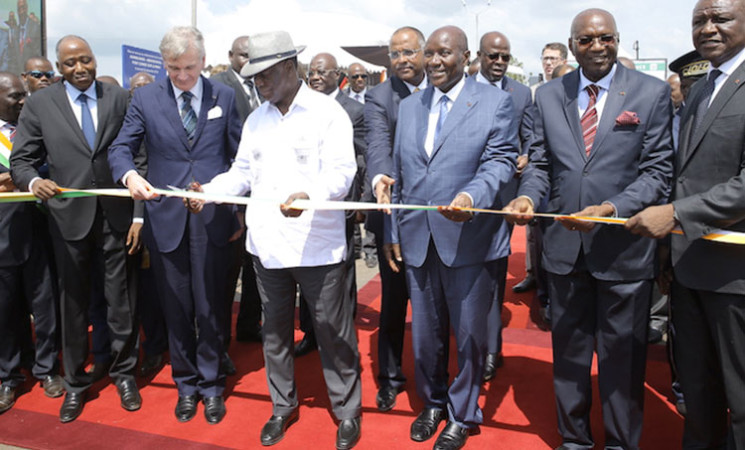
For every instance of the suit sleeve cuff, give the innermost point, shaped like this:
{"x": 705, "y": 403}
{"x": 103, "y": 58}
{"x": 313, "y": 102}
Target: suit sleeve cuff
{"x": 126, "y": 175}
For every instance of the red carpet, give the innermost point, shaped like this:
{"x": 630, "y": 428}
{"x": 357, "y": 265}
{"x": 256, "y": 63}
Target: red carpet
{"x": 518, "y": 405}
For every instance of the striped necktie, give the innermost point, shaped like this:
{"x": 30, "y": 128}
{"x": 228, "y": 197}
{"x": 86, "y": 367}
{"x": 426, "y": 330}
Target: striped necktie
{"x": 188, "y": 116}
{"x": 589, "y": 120}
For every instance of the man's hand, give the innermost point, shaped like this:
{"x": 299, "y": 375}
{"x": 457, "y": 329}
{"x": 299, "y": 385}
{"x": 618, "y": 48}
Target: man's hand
{"x": 241, "y": 228}
{"x": 392, "y": 254}
{"x": 45, "y": 189}
{"x": 139, "y": 188}
{"x": 522, "y": 162}
{"x": 291, "y": 212}
{"x": 134, "y": 241}
{"x": 194, "y": 205}
{"x": 604, "y": 210}
{"x": 383, "y": 191}
{"x": 654, "y": 222}
{"x": 521, "y": 209}
{"x": 454, "y": 212}
{"x": 6, "y": 183}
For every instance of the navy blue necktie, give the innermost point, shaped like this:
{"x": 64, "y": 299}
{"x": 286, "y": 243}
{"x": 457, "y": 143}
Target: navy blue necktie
{"x": 89, "y": 131}
{"x": 188, "y": 116}
{"x": 703, "y": 105}
{"x": 444, "y": 100}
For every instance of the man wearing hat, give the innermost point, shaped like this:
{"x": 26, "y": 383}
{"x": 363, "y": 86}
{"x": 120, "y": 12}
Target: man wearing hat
{"x": 297, "y": 145}
{"x": 191, "y": 130}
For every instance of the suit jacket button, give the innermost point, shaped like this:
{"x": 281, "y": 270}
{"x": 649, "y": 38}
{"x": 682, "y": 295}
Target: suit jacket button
{"x": 681, "y": 180}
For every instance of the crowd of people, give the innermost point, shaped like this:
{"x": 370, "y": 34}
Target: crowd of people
{"x": 446, "y": 129}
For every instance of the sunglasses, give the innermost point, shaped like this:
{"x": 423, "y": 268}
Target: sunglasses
{"x": 605, "y": 39}
{"x": 506, "y": 57}
{"x": 358, "y": 76}
{"x": 38, "y": 74}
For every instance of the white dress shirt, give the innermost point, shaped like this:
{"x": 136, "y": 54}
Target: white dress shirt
{"x": 434, "y": 112}
{"x": 727, "y": 68}
{"x": 77, "y": 108}
{"x": 583, "y": 98}
{"x": 482, "y": 79}
{"x": 358, "y": 96}
{"x": 196, "y": 101}
{"x": 309, "y": 149}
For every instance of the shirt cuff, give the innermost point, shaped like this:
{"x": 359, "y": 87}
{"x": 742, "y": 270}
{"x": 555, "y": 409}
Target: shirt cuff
{"x": 469, "y": 196}
{"x": 375, "y": 180}
{"x": 31, "y": 183}
{"x": 532, "y": 205}
{"x": 138, "y": 220}
{"x": 126, "y": 175}
{"x": 615, "y": 211}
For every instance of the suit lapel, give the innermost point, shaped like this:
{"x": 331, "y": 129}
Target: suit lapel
{"x": 169, "y": 110}
{"x": 728, "y": 89}
{"x": 422, "y": 114}
{"x": 570, "y": 82}
{"x": 63, "y": 103}
{"x": 466, "y": 99}
{"x": 103, "y": 106}
{"x": 208, "y": 101}
{"x": 614, "y": 101}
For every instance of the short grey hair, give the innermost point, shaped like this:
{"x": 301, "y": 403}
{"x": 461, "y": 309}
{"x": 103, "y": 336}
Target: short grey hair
{"x": 178, "y": 40}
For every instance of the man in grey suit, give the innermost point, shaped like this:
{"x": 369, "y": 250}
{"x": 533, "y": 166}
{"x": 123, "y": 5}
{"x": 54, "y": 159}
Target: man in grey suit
{"x": 602, "y": 147}
{"x": 246, "y": 96}
{"x": 456, "y": 145}
{"x": 708, "y": 289}
{"x": 70, "y": 126}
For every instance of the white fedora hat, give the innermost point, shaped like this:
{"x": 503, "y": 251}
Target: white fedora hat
{"x": 267, "y": 49}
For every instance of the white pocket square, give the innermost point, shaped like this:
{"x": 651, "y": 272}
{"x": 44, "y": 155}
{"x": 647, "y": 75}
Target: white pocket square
{"x": 214, "y": 113}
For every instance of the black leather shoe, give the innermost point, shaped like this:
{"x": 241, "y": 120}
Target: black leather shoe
{"x": 307, "y": 345}
{"x": 226, "y": 365}
{"x": 72, "y": 406}
{"x": 214, "y": 409}
{"x": 251, "y": 334}
{"x": 7, "y": 397}
{"x": 53, "y": 386}
{"x": 186, "y": 408}
{"x": 98, "y": 370}
{"x": 274, "y": 429}
{"x": 386, "y": 398}
{"x": 528, "y": 284}
{"x": 453, "y": 437}
{"x": 425, "y": 425}
{"x": 151, "y": 365}
{"x": 493, "y": 362}
{"x": 129, "y": 394}
{"x": 348, "y": 434}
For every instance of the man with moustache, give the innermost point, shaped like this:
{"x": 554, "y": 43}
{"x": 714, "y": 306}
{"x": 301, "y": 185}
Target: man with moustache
{"x": 602, "y": 147}
{"x": 191, "y": 134}
{"x": 708, "y": 304}
{"x": 70, "y": 125}
{"x": 456, "y": 145}
{"x": 25, "y": 277}
{"x": 38, "y": 73}
{"x": 381, "y": 116}
{"x": 494, "y": 59}
{"x": 357, "y": 82}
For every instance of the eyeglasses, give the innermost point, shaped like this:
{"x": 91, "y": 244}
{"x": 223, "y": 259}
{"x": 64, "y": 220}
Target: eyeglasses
{"x": 406, "y": 53}
{"x": 550, "y": 58}
{"x": 605, "y": 39}
{"x": 358, "y": 76}
{"x": 39, "y": 74}
{"x": 506, "y": 57}
{"x": 320, "y": 73}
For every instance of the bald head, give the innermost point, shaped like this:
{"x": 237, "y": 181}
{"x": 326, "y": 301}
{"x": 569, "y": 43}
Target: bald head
{"x": 238, "y": 53}
{"x": 446, "y": 56}
{"x": 494, "y": 56}
{"x": 594, "y": 42}
{"x": 357, "y": 77}
{"x": 75, "y": 61}
{"x": 108, "y": 79}
{"x": 12, "y": 96}
{"x": 590, "y": 16}
{"x": 140, "y": 79}
{"x": 323, "y": 73}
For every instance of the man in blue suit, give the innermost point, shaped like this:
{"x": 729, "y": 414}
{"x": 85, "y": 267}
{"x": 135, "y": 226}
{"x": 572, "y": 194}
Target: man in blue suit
{"x": 381, "y": 115}
{"x": 189, "y": 253}
{"x": 456, "y": 146}
{"x": 494, "y": 59}
{"x": 599, "y": 277}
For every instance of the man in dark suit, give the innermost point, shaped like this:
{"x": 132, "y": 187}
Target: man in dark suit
{"x": 189, "y": 253}
{"x": 25, "y": 277}
{"x": 248, "y": 323}
{"x": 25, "y": 37}
{"x": 494, "y": 57}
{"x": 70, "y": 126}
{"x": 707, "y": 295}
{"x": 323, "y": 76}
{"x": 381, "y": 116}
{"x": 456, "y": 144}
{"x": 600, "y": 277}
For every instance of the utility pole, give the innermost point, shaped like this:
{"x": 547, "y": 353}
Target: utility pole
{"x": 636, "y": 48}
{"x": 194, "y": 13}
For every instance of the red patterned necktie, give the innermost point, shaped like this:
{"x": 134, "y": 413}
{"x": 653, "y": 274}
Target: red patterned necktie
{"x": 589, "y": 120}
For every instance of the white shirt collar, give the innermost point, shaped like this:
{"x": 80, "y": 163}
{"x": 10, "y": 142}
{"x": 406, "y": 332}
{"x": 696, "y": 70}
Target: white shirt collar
{"x": 421, "y": 85}
{"x": 482, "y": 79}
{"x": 603, "y": 83}
{"x": 730, "y": 65}
{"x": 334, "y": 93}
{"x": 301, "y": 100}
{"x": 237, "y": 76}
{"x": 361, "y": 93}
{"x": 74, "y": 92}
{"x": 196, "y": 90}
{"x": 452, "y": 94}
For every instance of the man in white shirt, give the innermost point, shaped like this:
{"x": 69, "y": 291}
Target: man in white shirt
{"x": 297, "y": 145}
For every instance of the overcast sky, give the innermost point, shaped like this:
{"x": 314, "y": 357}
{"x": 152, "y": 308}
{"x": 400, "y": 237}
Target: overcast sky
{"x": 662, "y": 27}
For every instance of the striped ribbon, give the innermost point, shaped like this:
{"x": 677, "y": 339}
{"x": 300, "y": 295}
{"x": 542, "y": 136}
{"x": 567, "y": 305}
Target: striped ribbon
{"x": 717, "y": 235}
{"x": 5, "y": 147}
